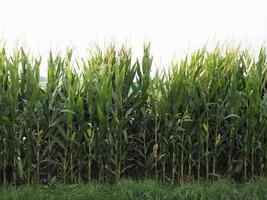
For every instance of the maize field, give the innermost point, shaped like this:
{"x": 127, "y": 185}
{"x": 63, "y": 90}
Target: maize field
{"x": 107, "y": 117}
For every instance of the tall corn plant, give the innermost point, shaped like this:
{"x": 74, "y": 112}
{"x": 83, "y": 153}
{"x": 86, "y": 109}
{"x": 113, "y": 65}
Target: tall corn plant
{"x": 107, "y": 117}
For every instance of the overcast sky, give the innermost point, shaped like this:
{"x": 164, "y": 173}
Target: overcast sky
{"x": 174, "y": 27}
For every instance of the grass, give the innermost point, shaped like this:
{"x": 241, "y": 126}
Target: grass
{"x": 148, "y": 189}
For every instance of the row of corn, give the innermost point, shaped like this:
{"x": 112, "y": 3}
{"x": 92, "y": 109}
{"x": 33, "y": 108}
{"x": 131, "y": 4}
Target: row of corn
{"x": 107, "y": 117}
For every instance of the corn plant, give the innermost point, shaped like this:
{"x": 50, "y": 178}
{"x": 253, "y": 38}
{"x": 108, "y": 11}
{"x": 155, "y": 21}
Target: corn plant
{"x": 107, "y": 117}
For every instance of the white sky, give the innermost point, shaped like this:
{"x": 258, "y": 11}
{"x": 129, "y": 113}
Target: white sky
{"x": 173, "y": 27}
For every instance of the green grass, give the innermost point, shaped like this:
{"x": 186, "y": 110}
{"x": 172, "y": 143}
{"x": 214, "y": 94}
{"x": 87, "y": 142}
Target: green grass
{"x": 148, "y": 189}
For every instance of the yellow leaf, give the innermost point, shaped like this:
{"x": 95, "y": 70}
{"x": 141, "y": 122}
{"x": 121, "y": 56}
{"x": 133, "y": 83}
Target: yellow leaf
{"x": 206, "y": 129}
{"x": 218, "y": 138}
